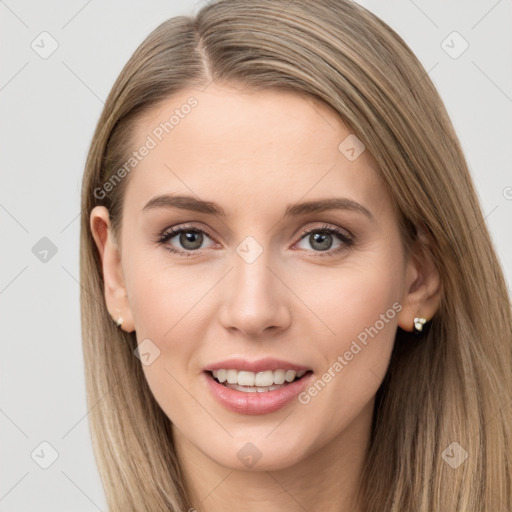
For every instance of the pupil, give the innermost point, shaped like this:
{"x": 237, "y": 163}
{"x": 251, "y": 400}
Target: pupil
{"x": 187, "y": 239}
{"x": 324, "y": 238}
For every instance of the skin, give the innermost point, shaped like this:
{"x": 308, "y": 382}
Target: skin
{"x": 254, "y": 153}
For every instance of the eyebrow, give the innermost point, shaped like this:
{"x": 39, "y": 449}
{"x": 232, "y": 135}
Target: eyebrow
{"x": 193, "y": 204}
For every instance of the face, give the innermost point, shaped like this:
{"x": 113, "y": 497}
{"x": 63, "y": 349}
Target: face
{"x": 254, "y": 279}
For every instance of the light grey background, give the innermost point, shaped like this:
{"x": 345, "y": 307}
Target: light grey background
{"x": 49, "y": 108}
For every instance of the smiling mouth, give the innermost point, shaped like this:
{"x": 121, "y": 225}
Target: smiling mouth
{"x": 261, "y": 382}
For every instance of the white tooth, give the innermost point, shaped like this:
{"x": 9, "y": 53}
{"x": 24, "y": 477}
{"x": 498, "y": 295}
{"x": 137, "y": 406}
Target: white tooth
{"x": 264, "y": 379}
{"x": 253, "y": 389}
{"x": 247, "y": 389}
{"x": 279, "y": 376}
{"x": 290, "y": 375}
{"x": 245, "y": 378}
{"x": 232, "y": 376}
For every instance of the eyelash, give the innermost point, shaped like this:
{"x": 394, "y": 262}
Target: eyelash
{"x": 347, "y": 241}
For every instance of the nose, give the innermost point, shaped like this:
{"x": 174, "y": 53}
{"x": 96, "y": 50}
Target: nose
{"x": 255, "y": 300}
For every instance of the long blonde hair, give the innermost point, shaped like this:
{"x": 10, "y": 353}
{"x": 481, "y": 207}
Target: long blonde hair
{"x": 453, "y": 385}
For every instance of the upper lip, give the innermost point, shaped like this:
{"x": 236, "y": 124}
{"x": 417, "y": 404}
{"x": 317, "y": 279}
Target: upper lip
{"x": 256, "y": 366}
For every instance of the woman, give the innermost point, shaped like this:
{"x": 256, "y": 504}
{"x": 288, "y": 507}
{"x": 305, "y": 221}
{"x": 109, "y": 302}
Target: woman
{"x": 290, "y": 297}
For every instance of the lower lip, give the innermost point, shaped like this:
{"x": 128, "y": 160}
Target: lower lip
{"x": 256, "y": 403}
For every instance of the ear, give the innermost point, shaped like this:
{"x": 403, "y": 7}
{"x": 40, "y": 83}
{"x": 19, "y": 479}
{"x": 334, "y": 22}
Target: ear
{"x": 116, "y": 297}
{"x": 423, "y": 287}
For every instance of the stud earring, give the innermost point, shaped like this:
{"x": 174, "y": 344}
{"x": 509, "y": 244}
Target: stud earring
{"x": 419, "y": 323}
{"x": 119, "y": 320}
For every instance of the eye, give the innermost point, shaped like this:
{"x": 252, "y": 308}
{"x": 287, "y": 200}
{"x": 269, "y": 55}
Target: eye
{"x": 189, "y": 238}
{"x": 321, "y": 239}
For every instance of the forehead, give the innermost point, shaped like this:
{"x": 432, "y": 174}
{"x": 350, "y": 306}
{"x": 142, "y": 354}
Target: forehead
{"x": 274, "y": 144}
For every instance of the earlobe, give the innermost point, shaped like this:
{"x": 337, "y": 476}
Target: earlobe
{"x": 116, "y": 297}
{"x": 423, "y": 288}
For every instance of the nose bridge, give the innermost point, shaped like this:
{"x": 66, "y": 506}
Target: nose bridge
{"x": 254, "y": 284}
{"x": 254, "y": 299}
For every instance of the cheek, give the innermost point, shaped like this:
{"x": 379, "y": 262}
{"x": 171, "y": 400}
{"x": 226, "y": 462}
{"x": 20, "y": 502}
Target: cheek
{"x": 169, "y": 300}
{"x": 348, "y": 311}
{"x": 163, "y": 295}
{"x": 353, "y": 297}
{"x": 165, "y": 303}
{"x": 358, "y": 306}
